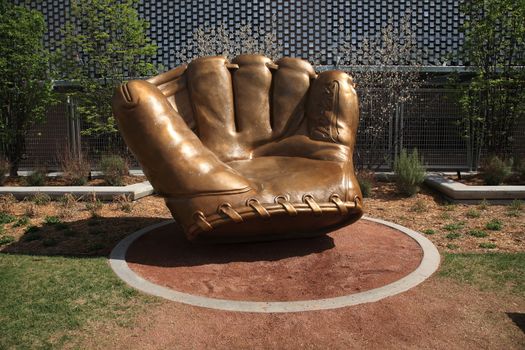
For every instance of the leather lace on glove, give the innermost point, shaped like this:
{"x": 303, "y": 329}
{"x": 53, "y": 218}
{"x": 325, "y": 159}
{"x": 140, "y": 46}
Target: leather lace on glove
{"x": 246, "y": 150}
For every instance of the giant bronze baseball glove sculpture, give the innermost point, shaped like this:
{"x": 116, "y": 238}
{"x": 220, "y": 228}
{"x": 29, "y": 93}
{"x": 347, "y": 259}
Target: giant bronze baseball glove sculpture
{"x": 246, "y": 150}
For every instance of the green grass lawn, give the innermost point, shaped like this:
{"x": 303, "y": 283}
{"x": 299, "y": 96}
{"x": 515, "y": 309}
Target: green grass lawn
{"x": 46, "y": 302}
{"x": 499, "y": 272}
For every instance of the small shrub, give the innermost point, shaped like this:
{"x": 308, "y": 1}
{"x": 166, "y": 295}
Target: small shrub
{"x": 494, "y": 225}
{"x": 6, "y": 240}
{"x": 483, "y": 205}
{"x": 22, "y": 221}
{"x": 514, "y": 213}
{"x": 67, "y": 206}
{"x": 473, "y": 213}
{"x": 452, "y": 246}
{"x": 41, "y": 199}
{"x": 75, "y": 168}
{"x": 454, "y": 226}
{"x": 366, "y": 182}
{"x": 67, "y": 200}
{"x": 30, "y": 210}
{"x": 516, "y": 205}
{"x": 113, "y": 168}
{"x": 366, "y": 186}
{"x": 495, "y": 170}
{"x": 52, "y": 220}
{"x": 94, "y": 205}
{"x": 449, "y": 207}
{"x": 409, "y": 172}
{"x": 6, "y": 218}
{"x": 36, "y": 178}
{"x": 477, "y": 233}
{"x": 429, "y": 231}
{"x": 453, "y": 235}
{"x": 419, "y": 206}
{"x": 124, "y": 202}
{"x": 487, "y": 245}
{"x": 4, "y": 170}
{"x": 445, "y": 216}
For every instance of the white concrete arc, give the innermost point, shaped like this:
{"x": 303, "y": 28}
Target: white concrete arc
{"x": 428, "y": 265}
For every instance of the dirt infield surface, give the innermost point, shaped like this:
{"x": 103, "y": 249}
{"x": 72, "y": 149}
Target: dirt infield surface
{"x": 437, "y": 314}
{"x": 349, "y": 260}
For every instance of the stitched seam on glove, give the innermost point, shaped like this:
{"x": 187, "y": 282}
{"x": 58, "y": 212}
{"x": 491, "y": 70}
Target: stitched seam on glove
{"x": 216, "y": 219}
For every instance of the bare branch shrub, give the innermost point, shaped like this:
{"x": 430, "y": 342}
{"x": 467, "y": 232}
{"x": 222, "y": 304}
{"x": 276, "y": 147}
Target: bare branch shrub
{"x": 68, "y": 206}
{"x": 124, "y": 203}
{"x": 231, "y": 42}
{"x": 75, "y": 168}
{"x": 386, "y": 69}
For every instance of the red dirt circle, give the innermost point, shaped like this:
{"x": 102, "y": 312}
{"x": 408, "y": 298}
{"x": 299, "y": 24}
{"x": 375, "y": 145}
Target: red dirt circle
{"x": 352, "y": 259}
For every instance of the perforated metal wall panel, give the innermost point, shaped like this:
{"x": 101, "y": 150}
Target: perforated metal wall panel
{"x": 306, "y": 29}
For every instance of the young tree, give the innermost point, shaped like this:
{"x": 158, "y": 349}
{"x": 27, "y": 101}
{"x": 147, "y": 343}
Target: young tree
{"x": 25, "y": 87}
{"x": 494, "y": 100}
{"x": 105, "y": 44}
{"x": 386, "y": 69}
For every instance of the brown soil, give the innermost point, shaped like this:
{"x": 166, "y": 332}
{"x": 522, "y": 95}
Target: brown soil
{"x": 60, "y": 181}
{"x": 428, "y": 211}
{"x": 349, "y": 260}
{"x": 437, "y": 314}
{"x": 477, "y": 180}
{"x": 97, "y": 235}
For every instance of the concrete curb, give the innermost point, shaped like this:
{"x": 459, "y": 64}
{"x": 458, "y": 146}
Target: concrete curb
{"x": 457, "y": 191}
{"x": 134, "y": 191}
{"x": 429, "y": 264}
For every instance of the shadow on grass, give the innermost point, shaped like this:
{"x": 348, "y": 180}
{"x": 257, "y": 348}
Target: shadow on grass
{"x": 518, "y": 319}
{"x": 83, "y": 238}
{"x": 168, "y": 247}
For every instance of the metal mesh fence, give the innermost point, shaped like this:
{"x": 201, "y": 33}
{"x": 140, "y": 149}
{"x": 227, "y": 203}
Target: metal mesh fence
{"x": 46, "y": 141}
{"x": 429, "y": 122}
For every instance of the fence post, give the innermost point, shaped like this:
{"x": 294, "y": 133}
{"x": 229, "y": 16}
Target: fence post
{"x": 73, "y": 128}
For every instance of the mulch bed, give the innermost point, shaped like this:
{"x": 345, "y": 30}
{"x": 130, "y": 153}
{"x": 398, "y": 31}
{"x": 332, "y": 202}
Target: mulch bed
{"x": 94, "y": 228}
{"x": 428, "y": 211}
{"x": 477, "y": 180}
{"x": 60, "y": 181}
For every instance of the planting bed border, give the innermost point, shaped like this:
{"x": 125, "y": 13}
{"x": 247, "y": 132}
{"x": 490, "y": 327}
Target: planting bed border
{"x": 133, "y": 192}
{"x": 458, "y": 192}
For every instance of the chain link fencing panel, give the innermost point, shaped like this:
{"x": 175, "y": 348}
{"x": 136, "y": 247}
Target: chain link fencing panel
{"x": 429, "y": 122}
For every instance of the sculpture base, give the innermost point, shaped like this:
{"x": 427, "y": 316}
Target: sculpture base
{"x": 358, "y": 263}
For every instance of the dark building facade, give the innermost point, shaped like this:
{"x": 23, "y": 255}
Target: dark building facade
{"x": 305, "y": 29}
